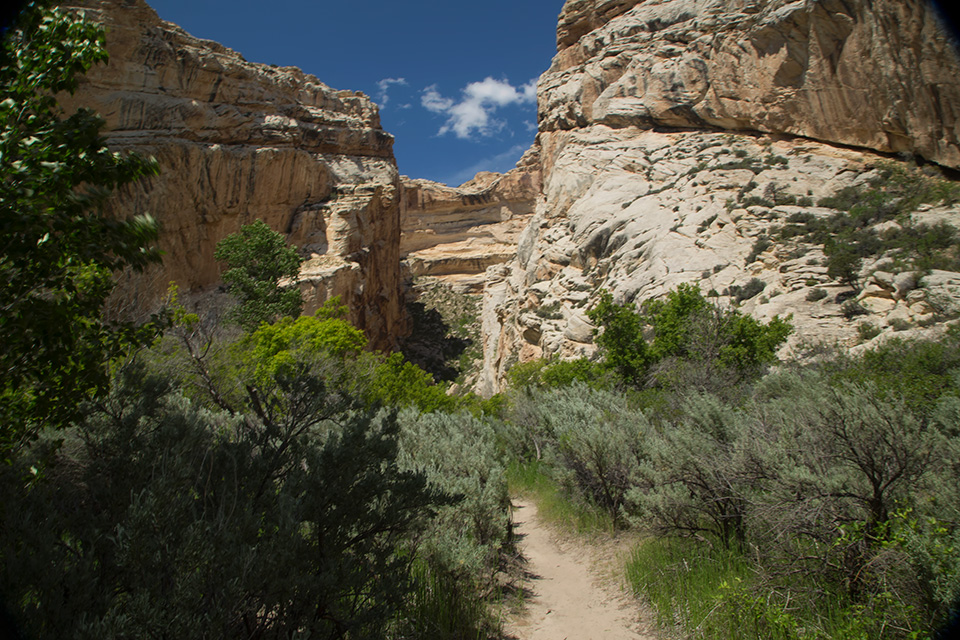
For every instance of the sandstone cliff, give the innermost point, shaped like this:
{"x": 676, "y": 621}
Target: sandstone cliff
{"x": 238, "y": 141}
{"x": 880, "y": 74}
{"x": 455, "y": 234}
{"x": 677, "y": 137}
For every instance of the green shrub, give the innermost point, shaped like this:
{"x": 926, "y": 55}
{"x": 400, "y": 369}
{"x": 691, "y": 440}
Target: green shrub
{"x": 458, "y": 456}
{"x": 844, "y": 264}
{"x": 258, "y": 260}
{"x": 394, "y": 382}
{"x": 851, "y": 309}
{"x": 695, "y": 343}
{"x": 747, "y": 291}
{"x": 160, "y": 515}
{"x": 549, "y": 311}
{"x": 622, "y": 341}
{"x": 816, "y": 294}
{"x": 761, "y": 244}
{"x": 867, "y": 331}
{"x": 563, "y": 373}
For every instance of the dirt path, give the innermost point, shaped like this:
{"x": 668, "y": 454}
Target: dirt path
{"x": 570, "y": 597}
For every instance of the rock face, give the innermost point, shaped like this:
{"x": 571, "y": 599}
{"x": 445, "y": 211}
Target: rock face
{"x": 238, "y": 141}
{"x": 455, "y": 234}
{"x": 879, "y": 74}
{"x": 675, "y": 134}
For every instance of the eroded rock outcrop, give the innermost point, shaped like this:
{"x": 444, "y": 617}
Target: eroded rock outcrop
{"x": 238, "y": 141}
{"x": 675, "y": 134}
{"x": 457, "y": 233}
{"x": 879, "y": 74}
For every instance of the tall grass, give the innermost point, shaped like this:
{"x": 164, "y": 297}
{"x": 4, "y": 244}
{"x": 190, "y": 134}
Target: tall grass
{"x": 683, "y": 581}
{"x": 708, "y": 593}
{"x": 532, "y": 480}
{"x": 440, "y": 608}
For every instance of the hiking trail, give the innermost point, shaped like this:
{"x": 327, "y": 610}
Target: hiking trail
{"x": 572, "y": 590}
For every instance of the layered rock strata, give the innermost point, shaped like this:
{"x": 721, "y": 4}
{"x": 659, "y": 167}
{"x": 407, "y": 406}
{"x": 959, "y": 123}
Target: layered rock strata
{"x": 672, "y": 134}
{"x": 455, "y": 234}
{"x": 880, "y": 74}
{"x": 237, "y": 142}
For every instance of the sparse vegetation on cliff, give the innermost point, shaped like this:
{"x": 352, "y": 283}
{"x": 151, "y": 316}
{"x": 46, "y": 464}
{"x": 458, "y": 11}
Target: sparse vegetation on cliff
{"x": 891, "y": 197}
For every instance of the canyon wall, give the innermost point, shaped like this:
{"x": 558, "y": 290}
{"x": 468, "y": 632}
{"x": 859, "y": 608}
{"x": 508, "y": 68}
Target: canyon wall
{"x": 237, "y": 142}
{"x": 456, "y": 233}
{"x": 677, "y": 136}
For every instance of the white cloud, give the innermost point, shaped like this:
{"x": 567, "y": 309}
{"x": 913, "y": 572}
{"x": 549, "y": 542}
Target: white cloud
{"x": 433, "y": 101}
{"x": 383, "y": 87}
{"x": 473, "y": 114}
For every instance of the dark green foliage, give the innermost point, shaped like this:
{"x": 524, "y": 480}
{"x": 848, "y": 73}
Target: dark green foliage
{"x": 848, "y": 236}
{"x": 747, "y": 291}
{"x": 695, "y": 343}
{"x": 851, "y": 309}
{"x": 757, "y": 201}
{"x": 622, "y": 341}
{"x": 258, "y": 261}
{"x": 58, "y": 249}
{"x": 843, "y": 263}
{"x": 162, "y": 516}
{"x": 761, "y": 244}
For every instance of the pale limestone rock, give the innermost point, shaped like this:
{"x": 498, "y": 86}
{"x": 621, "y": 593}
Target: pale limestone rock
{"x": 460, "y": 232}
{"x": 619, "y": 234}
{"x": 637, "y": 208}
{"x": 880, "y": 74}
{"x": 237, "y": 142}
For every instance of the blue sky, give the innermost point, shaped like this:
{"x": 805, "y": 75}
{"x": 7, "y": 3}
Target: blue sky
{"x": 453, "y": 78}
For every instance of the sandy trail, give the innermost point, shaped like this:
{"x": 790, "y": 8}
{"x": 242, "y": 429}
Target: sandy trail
{"x": 571, "y": 598}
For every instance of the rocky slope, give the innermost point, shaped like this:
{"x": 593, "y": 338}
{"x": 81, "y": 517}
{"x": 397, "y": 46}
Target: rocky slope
{"x": 679, "y": 137}
{"x": 238, "y": 141}
{"x": 454, "y": 234}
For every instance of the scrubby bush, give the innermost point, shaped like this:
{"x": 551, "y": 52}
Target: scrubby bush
{"x": 761, "y": 244}
{"x": 747, "y": 291}
{"x": 694, "y": 342}
{"x": 593, "y": 440}
{"x": 458, "y": 455}
{"x": 851, "y": 309}
{"x": 700, "y": 476}
{"x": 160, "y": 515}
{"x": 867, "y": 331}
{"x": 811, "y": 476}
